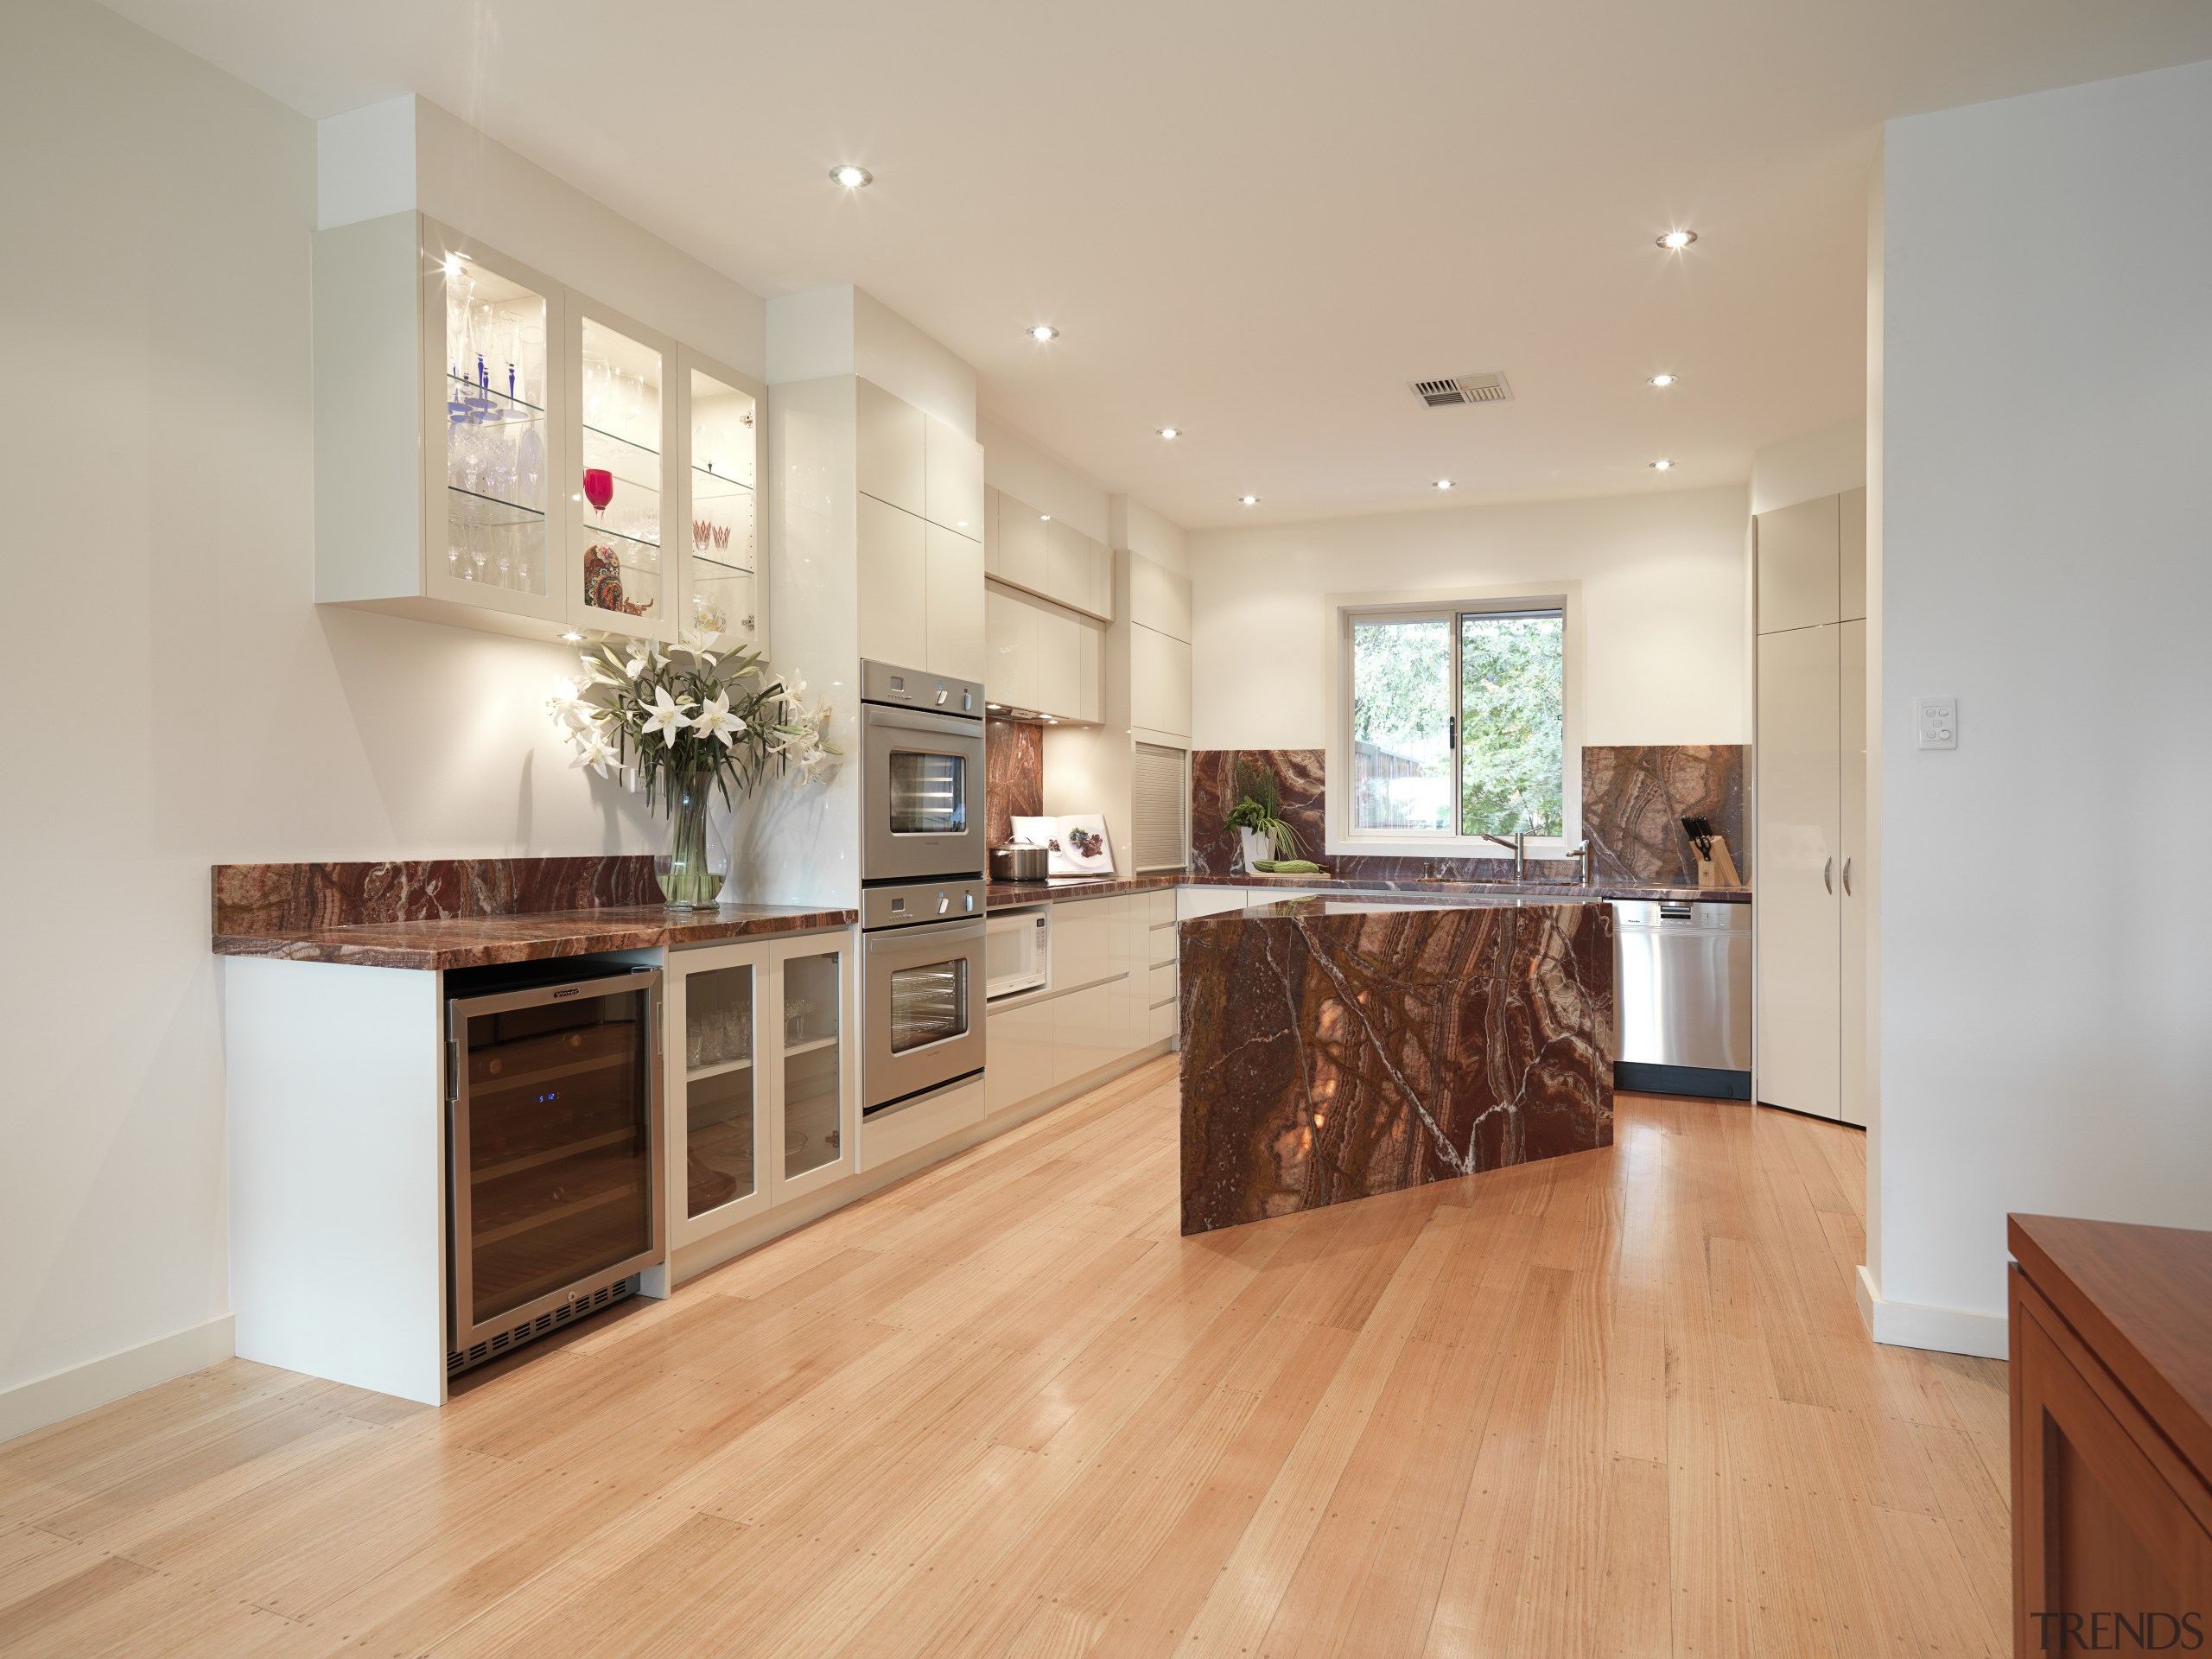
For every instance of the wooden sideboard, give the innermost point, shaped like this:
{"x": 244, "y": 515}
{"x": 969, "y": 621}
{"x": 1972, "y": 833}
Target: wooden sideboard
{"x": 2112, "y": 1437}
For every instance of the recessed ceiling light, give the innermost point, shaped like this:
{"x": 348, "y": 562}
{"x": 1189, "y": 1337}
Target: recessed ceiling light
{"x": 1248, "y": 500}
{"x": 1663, "y": 465}
{"x": 1043, "y": 331}
{"x": 1664, "y": 379}
{"x": 1675, "y": 241}
{"x": 852, "y": 177}
{"x": 1443, "y": 483}
{"x": 573, "y": 637}
{"x": 1171, "y": 431}
{"x": 1045, "y": 517}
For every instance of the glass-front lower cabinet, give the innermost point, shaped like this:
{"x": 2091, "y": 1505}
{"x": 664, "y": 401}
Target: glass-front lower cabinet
{"x": 760, "y": 1097}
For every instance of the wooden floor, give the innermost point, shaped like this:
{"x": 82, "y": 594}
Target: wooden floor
{"x": 1617, "y": 1403}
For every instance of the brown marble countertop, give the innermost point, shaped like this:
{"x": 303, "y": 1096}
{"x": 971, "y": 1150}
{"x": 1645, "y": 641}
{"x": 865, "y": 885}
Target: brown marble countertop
{"x": 1003, "y": 895}
{"x": 480, "y": 941}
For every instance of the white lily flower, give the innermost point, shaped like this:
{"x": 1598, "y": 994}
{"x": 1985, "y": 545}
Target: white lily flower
{"x": 594, "y": 752}
{"x": 595, "y": 672}
{"x": 717, "y": 721}
{"x": 665, "y": 714}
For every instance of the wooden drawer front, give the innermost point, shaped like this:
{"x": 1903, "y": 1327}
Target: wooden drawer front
{"x": 2107, "y": 1517}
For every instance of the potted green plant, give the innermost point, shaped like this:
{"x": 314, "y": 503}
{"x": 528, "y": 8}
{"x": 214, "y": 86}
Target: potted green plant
{"x": 1257, "y": 816}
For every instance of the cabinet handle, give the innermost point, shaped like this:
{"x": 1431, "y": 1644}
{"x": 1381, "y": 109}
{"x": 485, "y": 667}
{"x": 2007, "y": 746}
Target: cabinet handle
{"x": 1828, "y": 875}
{"x": 1847, "y": 876}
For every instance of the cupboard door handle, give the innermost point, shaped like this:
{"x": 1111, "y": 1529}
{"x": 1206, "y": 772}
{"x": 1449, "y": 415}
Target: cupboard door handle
{"x": 1828, "y": 875}
{"x": 1847, "y": 876}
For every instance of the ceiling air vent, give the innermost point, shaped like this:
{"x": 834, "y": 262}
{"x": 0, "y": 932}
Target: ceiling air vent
{"x": 1463, "y": 389}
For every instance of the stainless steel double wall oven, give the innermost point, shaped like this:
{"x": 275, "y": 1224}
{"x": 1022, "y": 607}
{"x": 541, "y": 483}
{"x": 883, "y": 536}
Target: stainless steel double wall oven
{"x": 922, "y": 857}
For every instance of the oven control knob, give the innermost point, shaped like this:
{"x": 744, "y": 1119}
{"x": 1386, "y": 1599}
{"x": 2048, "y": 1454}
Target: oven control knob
{"x": 940, "y": 697}
{"x": 969, "y": 899}
{"x": 943, "y": 903}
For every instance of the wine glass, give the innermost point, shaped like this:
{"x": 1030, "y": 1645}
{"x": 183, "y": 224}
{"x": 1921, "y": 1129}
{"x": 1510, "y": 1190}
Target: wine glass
{"x": 598, "y": 488}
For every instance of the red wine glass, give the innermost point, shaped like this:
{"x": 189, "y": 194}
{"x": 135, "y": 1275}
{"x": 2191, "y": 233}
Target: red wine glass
{"x": 599, "y": 487}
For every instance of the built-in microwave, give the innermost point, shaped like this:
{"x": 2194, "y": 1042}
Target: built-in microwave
{"x": 922, "y": 815}
{"x": 1017, "y": 951}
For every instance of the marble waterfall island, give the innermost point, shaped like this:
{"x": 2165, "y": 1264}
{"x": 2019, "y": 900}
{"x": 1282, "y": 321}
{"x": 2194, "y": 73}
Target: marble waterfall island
{"x": 1334, "y": 1049}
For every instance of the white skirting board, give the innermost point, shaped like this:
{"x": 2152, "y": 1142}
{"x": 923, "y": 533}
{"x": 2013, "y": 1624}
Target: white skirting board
{"x": 1945, "y": 1329}
{"x": 64, "y": 1394}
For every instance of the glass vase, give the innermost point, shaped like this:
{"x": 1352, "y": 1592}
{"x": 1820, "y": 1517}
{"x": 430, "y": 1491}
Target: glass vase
{"x": 690, "y": 873}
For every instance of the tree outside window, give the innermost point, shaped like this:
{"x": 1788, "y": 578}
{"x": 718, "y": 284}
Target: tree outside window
{"x": 1499, "y": 767}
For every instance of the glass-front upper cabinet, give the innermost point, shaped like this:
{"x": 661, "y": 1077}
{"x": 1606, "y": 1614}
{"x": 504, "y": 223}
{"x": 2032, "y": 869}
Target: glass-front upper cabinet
{"x": 625, "y": 425}
{"x": 722, "y": 429}
{"x": 496, "y": 432}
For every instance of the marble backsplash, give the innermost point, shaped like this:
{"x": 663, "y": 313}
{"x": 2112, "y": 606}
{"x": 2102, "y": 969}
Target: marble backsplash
{"x": 264, "y": 898}
{"x": 1013, "y": 776}
{"x": 1632, "y": 796}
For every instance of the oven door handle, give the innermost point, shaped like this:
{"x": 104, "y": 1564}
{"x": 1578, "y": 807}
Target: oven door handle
{"x": 923, "y": 939}
{"x": 880, "y": 718}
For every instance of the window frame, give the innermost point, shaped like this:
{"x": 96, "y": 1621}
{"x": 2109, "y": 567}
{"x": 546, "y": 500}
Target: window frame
{"x": 1448, "y": 605}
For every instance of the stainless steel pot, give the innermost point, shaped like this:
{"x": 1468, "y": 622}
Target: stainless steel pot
{"x": 1021, "y": 862}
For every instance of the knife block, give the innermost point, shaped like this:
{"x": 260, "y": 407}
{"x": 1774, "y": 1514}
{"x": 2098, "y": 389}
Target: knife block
{"x": 1719, "y": 870}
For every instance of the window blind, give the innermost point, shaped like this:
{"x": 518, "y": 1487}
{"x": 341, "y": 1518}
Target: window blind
{"x": 1162, "y": 808}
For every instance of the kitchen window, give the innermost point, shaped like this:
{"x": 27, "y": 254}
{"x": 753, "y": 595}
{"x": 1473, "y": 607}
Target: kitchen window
{"x": 1454, "y": 722}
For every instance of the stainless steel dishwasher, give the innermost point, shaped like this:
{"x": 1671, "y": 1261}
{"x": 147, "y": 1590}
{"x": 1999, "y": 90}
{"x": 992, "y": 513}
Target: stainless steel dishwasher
{"x": 1682, "y": 997}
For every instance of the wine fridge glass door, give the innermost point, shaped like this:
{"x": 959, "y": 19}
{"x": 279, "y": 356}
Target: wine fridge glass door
{"x": 553, "y": 1148}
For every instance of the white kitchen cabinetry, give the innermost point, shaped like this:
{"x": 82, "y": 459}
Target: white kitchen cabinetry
{"x": 1095, "y": 1016}
{"x": 720, "y": 409}
{"x": 1041, "y": 659}
{"x": 894, "y": 561}
{"x": 953, "y": 605}
{"x": 1811, "y": 752}
{"x": 760, "y": 1068}
{"x": 468, "y": 409}
{"x": 1800, "y": 823}
{"x": 1020, "y": 558}
{"x": 1047, "y": 557}
{"x": 952, "y": 480}
{"x": 1160, "y": 682}
{"x": 1159, "y": 599}
{"x": 1851, "y": 875}
{"x": 918, "y": 523}
{"x": 888, "y": 459}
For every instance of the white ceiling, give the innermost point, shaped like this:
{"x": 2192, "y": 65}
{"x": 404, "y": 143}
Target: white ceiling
{"x": 1257, "y": 220}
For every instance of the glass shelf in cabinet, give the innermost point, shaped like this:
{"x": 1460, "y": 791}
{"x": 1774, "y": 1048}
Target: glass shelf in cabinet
{"x": 723, "y": 567}
{"x": 738, "y": 486}
{"x": 616, "y": 438}
{"x": 490, "y": 512}
{"x": 721, "y": 1068}
{"x": 609, "y": 533}
{"x": 509, "y": 408}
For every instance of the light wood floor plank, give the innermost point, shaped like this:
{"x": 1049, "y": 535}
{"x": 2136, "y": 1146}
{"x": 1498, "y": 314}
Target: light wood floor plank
{"x": 1615, "y": 1404}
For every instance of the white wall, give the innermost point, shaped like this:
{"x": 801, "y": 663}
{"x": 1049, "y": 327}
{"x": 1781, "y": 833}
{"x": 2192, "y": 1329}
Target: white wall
{"x": 1662, "y": 589}
{"x": 1041, "y": 478}
{"x": 1805, "y": 469}
{"x": 2044, "y": 434}
{"x": 1138, "y": 529}
{"x": 178, "y": 700}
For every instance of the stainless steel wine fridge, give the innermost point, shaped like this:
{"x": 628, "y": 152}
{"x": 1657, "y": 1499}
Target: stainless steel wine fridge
{"x": 555, "y": 1087}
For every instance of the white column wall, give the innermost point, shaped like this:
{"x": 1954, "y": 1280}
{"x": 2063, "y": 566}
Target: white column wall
{"x": 2044, "y": 471}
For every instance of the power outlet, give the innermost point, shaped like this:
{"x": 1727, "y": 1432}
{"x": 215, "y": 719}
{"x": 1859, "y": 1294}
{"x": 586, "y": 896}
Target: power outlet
{"x": 1936, "y": 723}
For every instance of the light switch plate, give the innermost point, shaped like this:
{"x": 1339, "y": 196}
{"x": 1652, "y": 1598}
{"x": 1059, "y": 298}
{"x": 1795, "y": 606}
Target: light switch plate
{"x": 1936, "y": 723}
